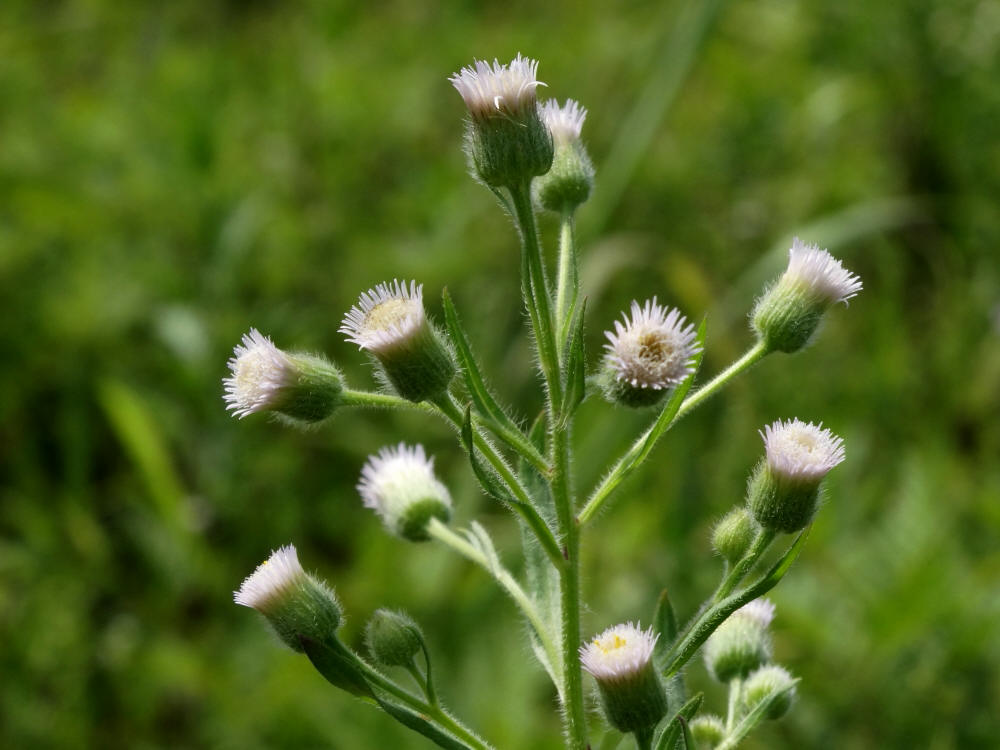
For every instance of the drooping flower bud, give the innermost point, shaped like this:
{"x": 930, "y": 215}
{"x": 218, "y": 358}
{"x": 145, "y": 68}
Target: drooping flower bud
{"x": 393, "y": 638}
{"x": 742, "y": 643}
{"x": 302, "y": 387}
{"x": 733, "y": 534}
{"x": 784, "y": 490}
{"x": 389, "y": 322}
{"x": 569, "y": 182}
{"x": 295, "y": 603}
{"x": 648, "y": 355}
{"x": 399, "y": 485}
{"x": 708, "y": 731}
{"x": 621, "y": 661}
{"x": 788, "y": 313}
{"x": 507, "y": 142}
{"x": 766, "y": 682}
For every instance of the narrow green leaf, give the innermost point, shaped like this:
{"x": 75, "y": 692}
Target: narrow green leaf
{"x": 686, "y": 734}
{"x": 484, "y": 401}
{"x": 665, "y": 623}
{"x": 752, "y": 719}
{"x": 421, "y": 724}
{"x": 338, "y": 665}
{"x": 674, "y": 729}
{"x": 576, "y": 380}
{"x": 490, "y": 482}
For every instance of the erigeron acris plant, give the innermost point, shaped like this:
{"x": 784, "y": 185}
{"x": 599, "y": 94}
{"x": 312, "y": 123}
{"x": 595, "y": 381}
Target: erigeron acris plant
{"x": 531, "y": 156}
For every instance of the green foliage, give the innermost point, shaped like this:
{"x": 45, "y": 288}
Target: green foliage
{"x": 174, "y": 173}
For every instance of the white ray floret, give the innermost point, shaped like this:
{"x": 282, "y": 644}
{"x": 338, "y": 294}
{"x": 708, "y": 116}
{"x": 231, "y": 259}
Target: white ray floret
{"x": 801, "y": 450}
{"x": 655, "y": 348}
{"x": 619, "y": 653}
{"x": 823, "y": 274}
{"x": 272, "y": 580}
{"x": 491, "y": 90}
{"x": 259, "y": 371}
{"x": 386, "y": 316}
{"x": 759, "y": 611}
{"x": 566, "y": 122}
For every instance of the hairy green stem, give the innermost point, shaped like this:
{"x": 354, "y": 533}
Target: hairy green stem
{"x": 752, "y": 356}
{"x": 567, "y": 281}
{"x": 536, "y": 290}
{"x": 450, "y": 408}
{"x": 459, "y": 544}
{"x": 735, "y": 690}
{"x": 569, "y": 579}
{"x": 760, "y": 544}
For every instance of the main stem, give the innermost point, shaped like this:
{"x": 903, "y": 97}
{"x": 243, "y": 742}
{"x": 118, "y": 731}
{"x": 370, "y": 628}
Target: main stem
{"x": 569, "y": 579}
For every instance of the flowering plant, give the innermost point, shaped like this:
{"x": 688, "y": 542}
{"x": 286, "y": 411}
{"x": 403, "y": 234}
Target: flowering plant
{"x": 531, "y": 156}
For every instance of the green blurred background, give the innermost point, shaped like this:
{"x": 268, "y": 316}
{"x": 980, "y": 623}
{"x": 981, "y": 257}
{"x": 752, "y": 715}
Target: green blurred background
{"x": 173, "y": 173}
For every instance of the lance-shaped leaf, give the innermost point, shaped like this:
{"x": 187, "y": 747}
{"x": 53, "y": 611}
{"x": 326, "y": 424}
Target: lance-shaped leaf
{"x": 677, "y": 726}
{"x": 576, "y": 380}
{"x": 753, "y": 718}
{"x": 492, "y": 414}
{"x": 338, "y": 665}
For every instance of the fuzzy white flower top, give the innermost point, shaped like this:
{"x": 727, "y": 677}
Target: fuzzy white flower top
{"x": 801, "y": 450}
{"x": 655, "y": 348}
{"x": 386, "y": 316}
{"x": 498, "y": 90}
{"x": 821, "y": 273}
{"x": 272, "y": 580}
{"x": 259, "y": 370}
{"x": 566, "y": 122}
{"x": 398, "y": 476}
{"x": 619, "y": 653}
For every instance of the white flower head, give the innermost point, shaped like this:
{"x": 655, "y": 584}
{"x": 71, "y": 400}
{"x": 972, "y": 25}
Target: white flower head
{"x": 385, "y": 317}
{"x": 760, "y": 612}
{"x": 399, "y": 484}
{"x": 821, "y": 273}
{"x": 801, "y": 450}
{"x": 499, "y": 90}
{"x": 259, "y": 371}
{"x": 655, "y": 348}
{"x": 566, "y": 122}
{"x": 272, "y": 581}
{"x": 619, "y": 653}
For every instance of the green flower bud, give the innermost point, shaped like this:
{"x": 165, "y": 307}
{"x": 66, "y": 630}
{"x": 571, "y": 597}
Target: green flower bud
{"x": 393, "y": 638}
{"x": 787, "y": 315}
{"x": 389, "y": 322}
{"x": 648, "y": 355}
{"x": 741, "y": 643}
{"x": 507, "y": 142}
{"x": 783, "y": 491}
{"x": 571, "y": 178}
{"x": 708, "y": 731}
{"x": 766, "y": 682}
{"x": 631, "y": 691}
{"x": 733, "y": 535}
{"x": 302, "y": 387}
{"x": 294, "y": 603}
{"x": 400, "y": 486}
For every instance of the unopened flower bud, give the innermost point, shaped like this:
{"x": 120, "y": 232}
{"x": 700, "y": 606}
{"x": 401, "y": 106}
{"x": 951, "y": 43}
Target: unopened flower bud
{"x": 507, "y": 142}
{"x": 399, "y": 485}
{"x": 733, "y": 535}
{"x": 393, "y": 638}
{"x": 789, "y": 312}
{"x": 389, "y": 322}
{"x": 708, "y": 731}
{"x": 766, "y": 682}
{"x": 296, "y": 604}
{"x": 647, "y": 355}
{"x": 621, "y": 661}
{"x": 783, "y": 492}
{"x": 569, "y": 182}
{"x": 302, "y": 387}
{"x": 742, "y": 643}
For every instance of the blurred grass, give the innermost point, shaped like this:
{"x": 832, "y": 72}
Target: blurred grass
{"x": 171, "y": 174}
